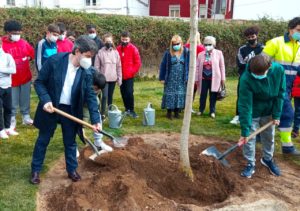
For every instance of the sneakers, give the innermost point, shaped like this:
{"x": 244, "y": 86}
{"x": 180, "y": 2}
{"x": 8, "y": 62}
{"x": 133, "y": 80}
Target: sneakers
{"x": 3, "y": 134}
{"x": 13, "y": 122}
{"x": 11, "y": 132}
{"x": 103, "y": 146}
{"x": 213, "y": 115}
{"x": 271, "y": 165}
{"x": 193, "y": 111}
{"x": 235, "y": 120}
{"x": 199, "y": 113}
{"x": 248, "y": 171}
{"x": 27, "y": 120}
{"x": 132, "y": 114}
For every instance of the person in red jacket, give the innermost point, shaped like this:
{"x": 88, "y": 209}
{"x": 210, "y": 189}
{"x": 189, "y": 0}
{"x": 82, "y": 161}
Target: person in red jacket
{"x": 23, "y": 53}
{"x": 131, "y": 63}
{"x": 64, "y": 45}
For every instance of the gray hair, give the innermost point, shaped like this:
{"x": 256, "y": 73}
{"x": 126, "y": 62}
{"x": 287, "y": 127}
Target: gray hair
{"x": 85, "y": 44}
{"x": 210, "y": 40}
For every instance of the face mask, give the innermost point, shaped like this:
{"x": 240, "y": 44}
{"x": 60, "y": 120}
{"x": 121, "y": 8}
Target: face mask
{"x": 259, "y": 77}
{"x": 209, "y": 47}
{"x": 62, "y": 36}
{"x": 296, "y": 36}
{"x": 108, "y": 45}
{"x": 53, "y": 38}
{"x": 92, "y": 35}
{"x": 252, "y": 42}
{"x": 176, "y": 47}
{"x": 15, "y": 37}
{"x": 86, "y": 63}
{"x": 124, "y": 44}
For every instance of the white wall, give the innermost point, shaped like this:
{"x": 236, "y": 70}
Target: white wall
{"x": 276, "y": 9}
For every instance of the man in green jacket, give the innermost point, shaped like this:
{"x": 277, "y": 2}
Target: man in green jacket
{"x": 261, "y": 92}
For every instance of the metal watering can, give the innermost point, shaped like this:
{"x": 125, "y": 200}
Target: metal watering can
{"x": 149, "y": 115}
{"x": 115, "y": 116}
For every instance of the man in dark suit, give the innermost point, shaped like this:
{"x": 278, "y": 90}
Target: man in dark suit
{"x": 65, "y": 82}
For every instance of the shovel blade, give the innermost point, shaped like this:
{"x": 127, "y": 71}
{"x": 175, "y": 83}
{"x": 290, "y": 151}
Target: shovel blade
{"x": 120, "y": 142}
{"x": 214, "y": 152}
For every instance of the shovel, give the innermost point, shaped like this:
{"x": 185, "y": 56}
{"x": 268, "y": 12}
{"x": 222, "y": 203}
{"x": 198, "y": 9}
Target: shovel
{"x": 118, "y": 142}
{"x": 212, "y": 151}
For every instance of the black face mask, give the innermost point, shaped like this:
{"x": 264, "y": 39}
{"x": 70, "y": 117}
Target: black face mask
{"x": 108, "y": 45}
{"x": 252, "y": 42}
{"x": 124, "y": 44}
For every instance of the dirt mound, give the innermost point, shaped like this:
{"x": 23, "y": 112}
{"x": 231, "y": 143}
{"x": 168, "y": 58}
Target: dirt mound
{"x": 141, "y": 176}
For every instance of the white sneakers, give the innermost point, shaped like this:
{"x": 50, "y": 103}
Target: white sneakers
{"x": 103, "y": 146}
{"x": 213, "y": 115}
{"x": 3, "y": 134}
{"x": 235, "y": 120}
{"x": 27, "y": 120}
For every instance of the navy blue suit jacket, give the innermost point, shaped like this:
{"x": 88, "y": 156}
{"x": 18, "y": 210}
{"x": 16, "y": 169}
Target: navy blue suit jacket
{"x": 49, "y": 85}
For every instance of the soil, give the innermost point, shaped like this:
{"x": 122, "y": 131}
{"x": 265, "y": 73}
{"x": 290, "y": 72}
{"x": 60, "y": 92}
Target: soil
{"x": 145, "y": 176}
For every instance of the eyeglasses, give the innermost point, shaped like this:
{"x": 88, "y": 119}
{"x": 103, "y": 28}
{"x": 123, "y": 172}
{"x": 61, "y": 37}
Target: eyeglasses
{"x": 175, "y": 43}
{"x": 207, "y": 44}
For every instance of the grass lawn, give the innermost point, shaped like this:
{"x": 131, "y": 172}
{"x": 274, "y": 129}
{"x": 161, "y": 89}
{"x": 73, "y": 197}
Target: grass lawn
{"x": 17, "y": 194}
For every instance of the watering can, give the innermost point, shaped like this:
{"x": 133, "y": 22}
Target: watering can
{"x": 149, "y": 115}
{"x": 115, "y": 116}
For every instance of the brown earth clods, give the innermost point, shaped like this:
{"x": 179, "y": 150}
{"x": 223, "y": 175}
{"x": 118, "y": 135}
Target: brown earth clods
{"x": 146, "y": 176}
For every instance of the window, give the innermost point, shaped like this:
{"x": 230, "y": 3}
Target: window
{"x": 202, "y": 11}
{"x": 90, "y": 3}
{"x": 220, "y": 6}
{"x": 174, "y": 11}
{"x": 11, "y": 2}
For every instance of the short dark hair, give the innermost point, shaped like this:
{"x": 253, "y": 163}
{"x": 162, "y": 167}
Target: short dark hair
{"x": 85, "y": 44}
{"x": 125, "y": 34}
{"x": 294, "y": 23}
{"x": 53, "y": 28}
{"x": 62, "y": 27}
{"x": 90, "y": 26}
{"x": 12, "y": 25}
{"x": 260, "y": 63}
{"x": 99, "y": 80}
{"x": 251, "y": 30}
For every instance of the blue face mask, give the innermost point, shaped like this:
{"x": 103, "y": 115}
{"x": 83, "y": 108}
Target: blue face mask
{"x": 259, "y": 77}
{"x": 176, "y": 47}
{"x": 296, "y": 36}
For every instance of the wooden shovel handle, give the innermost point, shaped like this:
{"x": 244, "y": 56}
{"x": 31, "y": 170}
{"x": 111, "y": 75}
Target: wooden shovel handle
{"x": 260, "y": 130}
{"x": 75, "y": 119}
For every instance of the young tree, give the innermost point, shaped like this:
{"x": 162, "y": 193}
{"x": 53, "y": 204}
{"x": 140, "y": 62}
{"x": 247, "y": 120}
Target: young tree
{"x": 185, "y": 130}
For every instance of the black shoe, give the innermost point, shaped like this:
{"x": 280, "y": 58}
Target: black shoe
{"x": 74, "y": 176}
{"x": 176, "y": 115}
{"x": 133, "y": 114}
{"x": 169, "y": 115}
{"x": 35, "y": 178}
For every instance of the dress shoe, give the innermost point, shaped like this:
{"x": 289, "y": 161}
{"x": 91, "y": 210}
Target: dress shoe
{"x": 74, "y": 176}
{"x": 35, "y": 178}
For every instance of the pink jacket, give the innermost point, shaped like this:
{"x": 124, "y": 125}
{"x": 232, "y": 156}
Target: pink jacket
{"x": 108, "y": 63}
{"x": 218, "y": 69}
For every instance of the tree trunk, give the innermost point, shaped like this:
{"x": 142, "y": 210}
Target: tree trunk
{"x": 185, "y": 130}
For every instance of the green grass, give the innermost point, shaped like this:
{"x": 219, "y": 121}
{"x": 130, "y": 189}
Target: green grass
{"x": 17, "y": 194}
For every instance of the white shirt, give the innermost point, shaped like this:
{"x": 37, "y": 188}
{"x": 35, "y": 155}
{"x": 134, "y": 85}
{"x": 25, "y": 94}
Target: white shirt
{"x": 65, "y": 97}
{"x": 7, "y": 67}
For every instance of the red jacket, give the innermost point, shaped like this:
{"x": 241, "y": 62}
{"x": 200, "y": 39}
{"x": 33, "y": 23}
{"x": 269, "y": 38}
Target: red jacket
{"x": 64, "y": 46}
{"x": 296, "y": 87}
{"x": 130, "y": 59}
{"x": 22, "y": 52}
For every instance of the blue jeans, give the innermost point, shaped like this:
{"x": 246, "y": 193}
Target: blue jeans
{"x": 205, "y": 87}
{"x": 69, "y": 129}
{"x": 266, "y": 137}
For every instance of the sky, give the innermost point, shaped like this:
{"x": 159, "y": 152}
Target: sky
{"x": 276, "y": 9}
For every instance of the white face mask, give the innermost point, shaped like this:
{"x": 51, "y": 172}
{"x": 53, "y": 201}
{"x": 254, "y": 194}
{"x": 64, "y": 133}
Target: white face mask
{"x": 92, "y": 35}
{"x": 86, "y": 63}
{"x": 62, "y": 36}
{"x": 15, "y": 37}
{"x": 209, "y": 47}
{"x": 53, "y": 38}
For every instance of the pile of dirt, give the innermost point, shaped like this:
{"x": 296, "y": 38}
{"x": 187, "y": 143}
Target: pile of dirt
{"x": 142, "y": 176}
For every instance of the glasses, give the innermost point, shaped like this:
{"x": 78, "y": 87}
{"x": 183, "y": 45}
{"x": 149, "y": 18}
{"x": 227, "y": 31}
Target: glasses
{"x": 207, "y": 44}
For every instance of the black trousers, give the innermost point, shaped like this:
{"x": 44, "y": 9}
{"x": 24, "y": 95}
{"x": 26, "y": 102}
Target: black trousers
{"x": 127, "y": 94}
{"x": 107, "y": 95}
{"x": 205, "y": 88}
{"x": 5, "y": 108}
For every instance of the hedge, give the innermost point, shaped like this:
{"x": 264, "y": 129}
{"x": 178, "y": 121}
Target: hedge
{"x": 150, "y": 35}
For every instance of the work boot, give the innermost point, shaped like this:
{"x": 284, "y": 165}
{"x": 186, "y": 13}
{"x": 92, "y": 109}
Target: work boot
{"x": 248, "y": 171}
{"x": 290, "y": 151}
